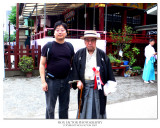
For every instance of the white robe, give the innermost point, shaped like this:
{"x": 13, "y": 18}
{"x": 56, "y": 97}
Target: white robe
{"x": 149, "y": 52}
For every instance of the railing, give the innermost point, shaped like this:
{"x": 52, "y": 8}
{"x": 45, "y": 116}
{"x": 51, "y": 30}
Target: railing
{"x": 77, "y": 33}
{"x": 12, "y": 56}
{"x": 74, "y": 33}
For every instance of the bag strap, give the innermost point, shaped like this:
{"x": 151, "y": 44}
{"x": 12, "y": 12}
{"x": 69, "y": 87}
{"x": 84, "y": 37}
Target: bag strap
{"x": 71, "y": 47}
{"x": 49, "y": 46}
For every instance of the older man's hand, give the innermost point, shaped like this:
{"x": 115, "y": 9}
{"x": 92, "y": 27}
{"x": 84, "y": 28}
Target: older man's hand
{"x": 79, "y": 85}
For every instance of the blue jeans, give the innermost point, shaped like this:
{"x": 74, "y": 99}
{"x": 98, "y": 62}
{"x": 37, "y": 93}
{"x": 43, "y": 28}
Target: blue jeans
{"x": 61, "y": 89}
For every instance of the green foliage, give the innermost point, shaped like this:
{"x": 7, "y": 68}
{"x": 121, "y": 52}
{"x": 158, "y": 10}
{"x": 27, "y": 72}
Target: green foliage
{"x": 6, "y": 37}
{"x": 122, "y": 40}
{"x": 136, "y": 69}
{"x": 115, "y": 53}
{"x": 112, "y": 58}
{"x": 49, "y": 33}
{"x": 26, "y": 64}
{"x": 118, "y": 61}
{"x": 12, "y": 16}
{"x": 12, "y": 37}
{"x": 131, "y": 55}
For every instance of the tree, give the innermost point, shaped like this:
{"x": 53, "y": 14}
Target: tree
{"x": 123, "y": 39}
{"x": 6, "y": 37}
{"x": 13, "y": 36}
{"x": 12, "y": 16}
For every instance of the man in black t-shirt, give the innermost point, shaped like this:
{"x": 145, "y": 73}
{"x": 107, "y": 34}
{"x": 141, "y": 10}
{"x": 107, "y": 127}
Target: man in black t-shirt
{"x": 55, "y": 79}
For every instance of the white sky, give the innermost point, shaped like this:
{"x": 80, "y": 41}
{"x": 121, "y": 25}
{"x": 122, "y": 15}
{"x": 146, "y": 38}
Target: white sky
{"x": 7, "y": 7}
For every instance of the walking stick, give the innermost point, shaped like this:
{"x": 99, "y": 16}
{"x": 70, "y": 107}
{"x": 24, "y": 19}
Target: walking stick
{"x": 80, "y": 100}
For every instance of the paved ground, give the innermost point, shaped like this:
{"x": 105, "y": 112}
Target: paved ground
{"x": 23, "y": 98}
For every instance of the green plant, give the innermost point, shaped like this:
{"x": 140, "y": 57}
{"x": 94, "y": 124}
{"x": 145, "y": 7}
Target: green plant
{"x": 49, "y": 33}
{"x": 136, "y": 69}
{"x": 6, "y": 37}
{"x": 111, "y": 57}
{"x": 115, "y": 53}
{"x": 118, "y": 61}
{"x": 12, "y": 16}
{"x": 131, "y": 55}
{"x": 26, "y": 64}
{"x": 122, "y": 40}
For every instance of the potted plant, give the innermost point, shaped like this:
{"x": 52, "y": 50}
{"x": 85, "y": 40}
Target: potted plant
{"x": 112, "y": 59}
{"x": 122, "y": 40}
{"x": 26, "y": 65}
{"x": 137, "y": 70}
{"x": 118, "y": 62}
{"x": 131, "y": 55}
{"x": 129, "y": 72}
{"x": 125, "y": 62}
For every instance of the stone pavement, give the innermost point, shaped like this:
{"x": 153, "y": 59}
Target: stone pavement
{"x": 23, "y": 98}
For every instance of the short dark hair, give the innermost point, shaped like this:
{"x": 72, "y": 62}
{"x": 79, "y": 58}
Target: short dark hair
{"x": 150, "y": 40}
{"x": 58, "y": 23}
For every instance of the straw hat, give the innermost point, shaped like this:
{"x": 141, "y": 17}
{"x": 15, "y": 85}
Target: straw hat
{"x": 90, "y": 33}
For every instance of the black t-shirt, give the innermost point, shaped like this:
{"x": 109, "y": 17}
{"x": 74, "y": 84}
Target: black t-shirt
{"x": 60, "y": 59}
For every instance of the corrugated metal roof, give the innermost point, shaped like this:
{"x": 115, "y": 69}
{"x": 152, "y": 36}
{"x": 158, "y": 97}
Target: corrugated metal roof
{"x": 29, "y": 9}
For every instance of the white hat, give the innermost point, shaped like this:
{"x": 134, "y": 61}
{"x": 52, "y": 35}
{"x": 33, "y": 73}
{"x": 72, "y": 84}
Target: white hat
{"x": 90, "y": 33}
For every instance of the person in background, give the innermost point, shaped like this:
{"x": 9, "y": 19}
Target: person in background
{"x": 27, "y": 41}
{"x": 13, "y": 44}
{"x": 55, "y": 81}
{"x": 148, "y": 71}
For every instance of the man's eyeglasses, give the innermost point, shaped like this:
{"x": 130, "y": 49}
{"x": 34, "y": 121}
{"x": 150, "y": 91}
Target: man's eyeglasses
{"x": 60, "y": 30}
{"x": 92, "y": 40}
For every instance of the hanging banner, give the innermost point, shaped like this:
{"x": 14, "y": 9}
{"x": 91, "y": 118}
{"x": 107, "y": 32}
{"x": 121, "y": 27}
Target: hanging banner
{"x": 69, "y": 15}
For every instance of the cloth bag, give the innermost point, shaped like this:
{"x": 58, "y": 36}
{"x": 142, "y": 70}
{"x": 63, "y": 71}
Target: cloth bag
{"x": 109, "y": 87}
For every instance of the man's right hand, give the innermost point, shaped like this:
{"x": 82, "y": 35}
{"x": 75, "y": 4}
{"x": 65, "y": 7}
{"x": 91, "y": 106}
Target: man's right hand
{"x": 79, "y": 84}
{"x": 45, "y": 86}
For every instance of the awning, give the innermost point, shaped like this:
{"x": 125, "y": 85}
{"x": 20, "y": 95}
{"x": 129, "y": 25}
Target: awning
{"x": 146, "y": 27}
{"x": 29, "y": 9}
{"x": 152, "y": 10}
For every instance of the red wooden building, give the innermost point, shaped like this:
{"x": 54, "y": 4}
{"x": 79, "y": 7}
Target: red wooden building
{"x": 98, "y": 16}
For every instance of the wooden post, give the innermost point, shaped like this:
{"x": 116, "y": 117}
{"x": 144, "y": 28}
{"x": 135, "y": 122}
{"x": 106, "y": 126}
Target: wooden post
{"x": 17, "y": 26}
{"x": 33, "y": 55}
{"x": 16, "y": 58}
{"x": 144, "y": 18}
{"x": 39, "y": 54}
{"x": 17, "y": 33}
{"x": 9, "y": 32}
{"x": 27, "y": 50}
{"x": 21, "y": 51}
{"x": 124, "y": 17}
{"x": 101, "y": 19}
{"x": 9, "y": 57}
